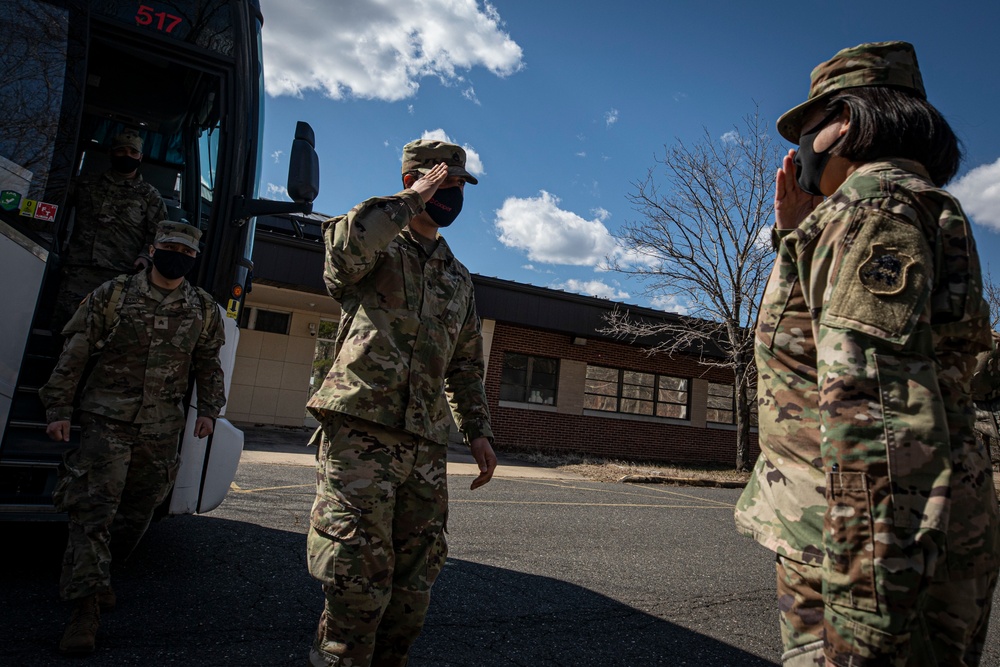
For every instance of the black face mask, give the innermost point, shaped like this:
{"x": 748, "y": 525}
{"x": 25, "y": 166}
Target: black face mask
{"x": 124, "y": 164}
{"x": 809, "y": 166}
{"x": 445, "y": 206}
{"x": 172, "y": 264}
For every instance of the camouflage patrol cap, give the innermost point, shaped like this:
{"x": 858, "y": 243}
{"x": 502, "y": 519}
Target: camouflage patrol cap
{"x": 423, "y": 154}
{"x": 874, "y": 64}
{"x": 128, "y": 138}
{"x": 178, "y": 232}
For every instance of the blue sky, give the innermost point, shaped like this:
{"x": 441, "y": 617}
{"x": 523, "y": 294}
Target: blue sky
{"x": 564, "y": 105}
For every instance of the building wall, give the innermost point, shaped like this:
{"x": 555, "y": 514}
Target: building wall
{"x": 271, "y": 376}
{"x": 568, "y": 427}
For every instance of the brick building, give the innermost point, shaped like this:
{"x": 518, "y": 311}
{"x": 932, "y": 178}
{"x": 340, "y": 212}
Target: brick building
{"x": 553, "y": 382}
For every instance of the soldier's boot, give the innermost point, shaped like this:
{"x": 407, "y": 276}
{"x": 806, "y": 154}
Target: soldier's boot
{"x": 80, "y": 636}
{"x": 107, "y": 600}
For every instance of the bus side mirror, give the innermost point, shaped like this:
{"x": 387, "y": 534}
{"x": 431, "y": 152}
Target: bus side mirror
{"x": 303, "y": 166}
{"x": 303, "y": 182}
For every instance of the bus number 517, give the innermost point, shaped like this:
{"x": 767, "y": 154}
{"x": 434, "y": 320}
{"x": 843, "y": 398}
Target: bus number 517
{"x": 164, "y": 22}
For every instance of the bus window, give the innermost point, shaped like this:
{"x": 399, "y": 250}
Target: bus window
{"x": 208, "y": 144}
{"x": 34, "y": 45}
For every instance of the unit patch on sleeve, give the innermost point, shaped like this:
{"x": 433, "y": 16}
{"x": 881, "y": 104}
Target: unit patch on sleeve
{"x": 885, "y": 270}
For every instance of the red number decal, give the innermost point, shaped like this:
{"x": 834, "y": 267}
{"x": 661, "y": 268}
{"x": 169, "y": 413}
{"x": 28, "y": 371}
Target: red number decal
{"x": 175, "y": 21}
{"x": 144, "y": 16}
{"x": 164, "y": 22}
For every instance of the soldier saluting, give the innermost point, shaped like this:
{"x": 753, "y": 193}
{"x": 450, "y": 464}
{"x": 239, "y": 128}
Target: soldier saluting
{"x": 409, "y": 343}
{"x": 871, "y": 486}
{"x": 151, "y": 331}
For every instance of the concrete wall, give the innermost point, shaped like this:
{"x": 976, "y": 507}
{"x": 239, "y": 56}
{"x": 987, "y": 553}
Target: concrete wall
{"x": 271, "y": 377}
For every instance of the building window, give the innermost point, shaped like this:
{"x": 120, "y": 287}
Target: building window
{"x": 271, "y": 321}
{"x": 635, "y": 393}
{"x": 721, "y": 408}
{"x": 528, "y": 379}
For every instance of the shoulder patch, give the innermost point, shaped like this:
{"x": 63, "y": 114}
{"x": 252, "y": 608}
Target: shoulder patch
{"x": 885, "y": 270}
{"x": 882, "y": 283}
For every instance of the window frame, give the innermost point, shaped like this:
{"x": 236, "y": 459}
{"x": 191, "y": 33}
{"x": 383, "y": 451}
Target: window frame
{"x": 251, "y": 314}
{"x": 709, "y": 409}
{"x": 529, "y": 375}
{"x": 620, "y": 396}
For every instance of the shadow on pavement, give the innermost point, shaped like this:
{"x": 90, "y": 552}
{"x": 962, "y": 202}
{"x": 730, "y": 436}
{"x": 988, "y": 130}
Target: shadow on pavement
{"x": 482, "y": 615}
{"x": 203, "y": 591}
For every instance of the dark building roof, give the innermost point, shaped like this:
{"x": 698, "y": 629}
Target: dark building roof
{"x": 288, "y": 251}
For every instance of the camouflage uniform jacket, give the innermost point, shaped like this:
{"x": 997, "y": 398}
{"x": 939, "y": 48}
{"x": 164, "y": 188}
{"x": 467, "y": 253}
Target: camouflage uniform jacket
{"x": 142, "y": 372}
{"x": 115, "y": 223}
{"x": 866, "y": 342}
{"x": 409, "y": 333}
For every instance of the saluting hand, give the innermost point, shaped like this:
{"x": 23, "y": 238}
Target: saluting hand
{"x": 791, "y": 204}
{"x": 427, "y": 185}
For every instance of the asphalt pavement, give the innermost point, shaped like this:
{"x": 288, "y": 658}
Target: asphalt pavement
{"x": 542, "y": 571}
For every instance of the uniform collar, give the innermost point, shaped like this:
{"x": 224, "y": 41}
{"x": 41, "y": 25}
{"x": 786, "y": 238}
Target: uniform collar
{"x": 118, "y": 179}
{"x": 903, "y": 164}
{"x": 144, "y": 284}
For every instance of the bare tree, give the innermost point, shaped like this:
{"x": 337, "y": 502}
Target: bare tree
{"x": 702, "y": 239}
{"x": 991, "y": 293}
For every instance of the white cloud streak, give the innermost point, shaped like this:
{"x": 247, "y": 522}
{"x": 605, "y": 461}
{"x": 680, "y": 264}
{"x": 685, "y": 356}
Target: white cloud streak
{"x": 547, "y": 233}
{"x": 380, "y": 49}
{"x": 611, "y": 117}
{"x": 979, "y": 193}
{"x": 473, "y": 163}
{"x": 274, "y": 191}
{"x": 592, "y": 288}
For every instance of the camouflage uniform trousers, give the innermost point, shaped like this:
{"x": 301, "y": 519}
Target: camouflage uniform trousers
{"x": 110, "y": 485}
{"x": 75, "y": 283}
{"x": 376, "y": 539}
{"x": 949, "y": 627}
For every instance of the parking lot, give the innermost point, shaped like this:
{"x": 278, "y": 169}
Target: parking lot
{"x": 542, "y": 570}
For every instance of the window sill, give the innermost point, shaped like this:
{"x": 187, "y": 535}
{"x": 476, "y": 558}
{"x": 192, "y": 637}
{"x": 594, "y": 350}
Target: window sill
{"x": 636, "y": 418}
{"x": 538, "y": 407}
{"x": 726, "y": 427}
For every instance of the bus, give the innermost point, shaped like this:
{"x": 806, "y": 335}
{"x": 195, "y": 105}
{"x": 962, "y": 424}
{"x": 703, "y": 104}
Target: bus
{"x": 187, "y": 76}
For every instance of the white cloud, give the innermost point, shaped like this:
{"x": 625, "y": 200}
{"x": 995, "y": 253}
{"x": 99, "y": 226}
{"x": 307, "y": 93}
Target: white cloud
{"x": 592, "y": 288}
{"x": 669, "y": 303}
{"x": 473, "y": 163}
{"x": 274, "y": 191}
{"x": 979, "y": 192}
{"x": 601, "y": 214}
{"x": 549, "y": 234}
{"x": 680, "y": 97}
{"x": 611, "y": 117}
{"x": 277, "y": 156}
{"x": 380, "y": 49}
{"x": 470, "y": 94}
{"x": 731, "y": 137}
{"x": 409, "y": 109}
{"x": 582, "y": 154}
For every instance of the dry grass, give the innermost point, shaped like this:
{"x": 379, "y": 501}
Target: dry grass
{"x": 611, "y": 470}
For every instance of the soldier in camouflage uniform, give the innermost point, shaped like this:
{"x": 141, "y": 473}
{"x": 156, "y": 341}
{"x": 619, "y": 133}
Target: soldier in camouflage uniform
{"x": 150, "y": 332}
{"x": 871, "y": 486}
{"x": 116, "y": 218}
{"x": 409, "y": 343}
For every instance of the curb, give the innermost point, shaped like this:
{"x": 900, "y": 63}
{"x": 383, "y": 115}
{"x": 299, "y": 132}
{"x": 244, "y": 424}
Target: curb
{"x": 681, "y": 481}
